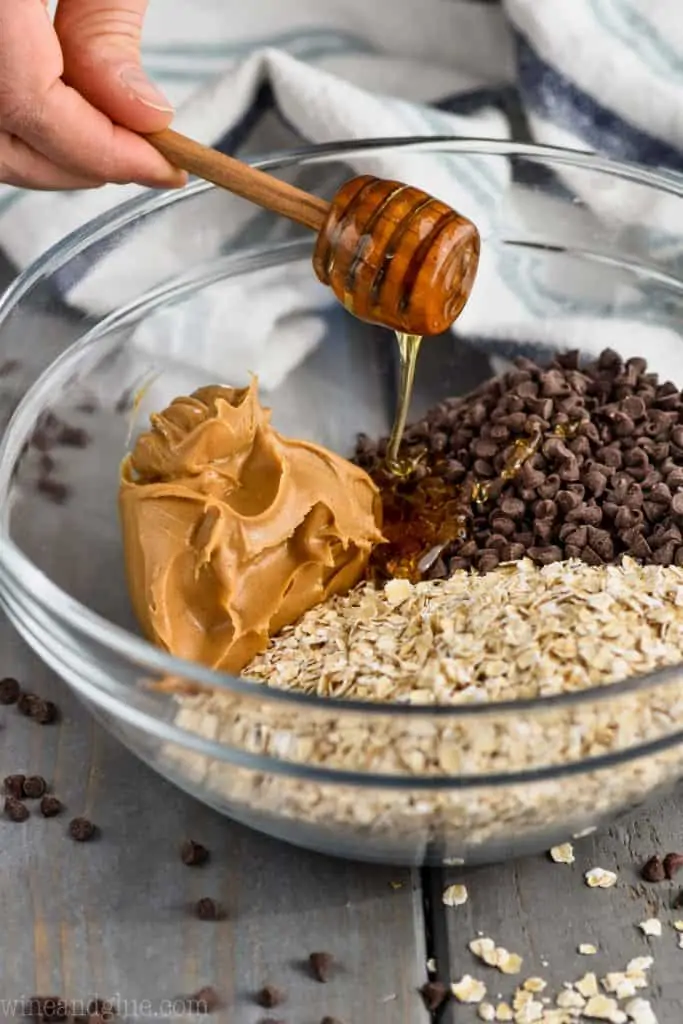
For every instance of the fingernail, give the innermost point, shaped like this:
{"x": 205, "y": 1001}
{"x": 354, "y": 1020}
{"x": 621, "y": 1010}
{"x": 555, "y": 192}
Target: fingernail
{"x": 135, "y": 79}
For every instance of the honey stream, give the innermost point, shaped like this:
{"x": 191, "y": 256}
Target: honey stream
{"x": 409, "y": 348}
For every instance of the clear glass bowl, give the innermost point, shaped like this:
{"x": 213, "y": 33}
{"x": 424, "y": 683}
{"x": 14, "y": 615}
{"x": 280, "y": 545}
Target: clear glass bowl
{"x": 174, "y": 291}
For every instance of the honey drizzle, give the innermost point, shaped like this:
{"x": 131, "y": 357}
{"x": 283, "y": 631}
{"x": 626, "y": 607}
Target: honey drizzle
{"x": 423, "y": 517}
{"x": 408, "y": 347}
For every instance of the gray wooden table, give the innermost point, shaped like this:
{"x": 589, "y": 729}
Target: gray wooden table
{"x": 114, "y": 918}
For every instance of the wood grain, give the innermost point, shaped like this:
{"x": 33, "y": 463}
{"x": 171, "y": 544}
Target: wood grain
{"x": 543, "y": 911}
{"x": 113, "y": 918}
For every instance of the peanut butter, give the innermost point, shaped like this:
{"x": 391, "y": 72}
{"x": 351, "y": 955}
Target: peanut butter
{"x": 232, "y": 531}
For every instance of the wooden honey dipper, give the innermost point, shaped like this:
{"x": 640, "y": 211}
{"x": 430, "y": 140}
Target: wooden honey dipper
{"x": 392, "y": 254}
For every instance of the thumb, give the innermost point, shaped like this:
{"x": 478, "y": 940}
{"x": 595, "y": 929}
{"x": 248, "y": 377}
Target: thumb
{"x": 100, "y": 42}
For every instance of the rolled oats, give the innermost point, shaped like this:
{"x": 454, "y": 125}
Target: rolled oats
{"x": 563, "y": 854}
{"x": 454, "y": 896}
{"x": 518, "y": 632}
{"x": 599, "y": 878}
{"x": 603, "y": 1008}
{"x": 587, "y": 986}
{"x": 640, "y": 1012}
{"x": 468, "y": 990}
{"x": 652, "y": 927}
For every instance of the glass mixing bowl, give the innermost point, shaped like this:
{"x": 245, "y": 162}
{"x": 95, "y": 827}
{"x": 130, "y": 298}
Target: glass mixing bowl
{"x": 174, "y": 291}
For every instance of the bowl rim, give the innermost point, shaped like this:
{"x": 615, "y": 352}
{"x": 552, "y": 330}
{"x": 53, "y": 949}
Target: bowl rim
{"x": 81, "y": 619}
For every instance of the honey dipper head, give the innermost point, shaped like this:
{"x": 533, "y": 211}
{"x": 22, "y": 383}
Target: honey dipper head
{"x": 395, "y": 256}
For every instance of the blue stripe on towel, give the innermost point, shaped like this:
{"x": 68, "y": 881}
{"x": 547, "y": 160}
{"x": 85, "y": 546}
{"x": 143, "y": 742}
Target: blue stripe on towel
{"x": 551, "y": 95}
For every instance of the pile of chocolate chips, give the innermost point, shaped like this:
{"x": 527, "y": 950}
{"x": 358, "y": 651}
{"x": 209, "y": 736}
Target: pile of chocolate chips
{"x": 604, "y": 476}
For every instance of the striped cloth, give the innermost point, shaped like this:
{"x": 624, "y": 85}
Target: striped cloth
{"x": 270, "y": 74}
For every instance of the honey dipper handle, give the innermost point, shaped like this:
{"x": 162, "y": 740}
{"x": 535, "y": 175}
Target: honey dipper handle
{"x": 248, "y": 182}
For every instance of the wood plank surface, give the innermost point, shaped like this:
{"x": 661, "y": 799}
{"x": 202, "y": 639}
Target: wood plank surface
{"x": 543, "y": 911}
{"x": 113, "y": 918}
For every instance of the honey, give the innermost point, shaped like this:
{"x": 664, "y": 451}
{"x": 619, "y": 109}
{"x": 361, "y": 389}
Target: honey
{"x": 408, "y": 347}
{"x": 424, "y": 513}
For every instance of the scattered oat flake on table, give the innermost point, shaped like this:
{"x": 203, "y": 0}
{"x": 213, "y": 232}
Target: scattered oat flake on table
{"x": 639, "y": 965}
{"x": 508, "y": 963}
{"x": 603, "y": 1008}
{"x": 680, "y": 941}
{"x": 587, "y": 986}
{"x": 678, "y": 925}
{"x": 535, "y": 985}
{"x": 454, "y": 896}
{"x": 570, "y": 1000}
{"x": 504, "y": 1012}
{"x": 587, "y": 949}
{"x": 651, "y": 927}
{"x": 468, "y": 989}
{"x": 600, "y": 878}
{"x": 486, "y": 1011}
{"x": 563, "y": 854}
{"x": 585, "y": 832}
{"x": 485, "y": 949}
{"x": 529, "y": 1013}
{"x": 640, "y": 1012}
{"x": 621, "y": 985}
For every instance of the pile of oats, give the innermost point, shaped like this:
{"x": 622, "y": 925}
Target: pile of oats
{"x": 518, "y": 632}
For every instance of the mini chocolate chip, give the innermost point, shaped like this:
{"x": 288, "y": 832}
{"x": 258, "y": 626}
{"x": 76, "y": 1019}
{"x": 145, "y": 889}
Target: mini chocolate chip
{"x": 82, "y": 830}
{"x": 56, "y": 492}
{"x": 487, "y": 561}
{"x": 512, "y": 507}
{"x": 207, "y": 909}
{"x": 32, "y": 706}
{"x": 72, "y": 437}
{"x": 673, "y": 862}
{"x": 321, "y": 965}
{"x": 269, "y": 997}
{"x": 434, "y": 994}
{"x": 193, "y": 854}
{"x": 502, "y": 524}
{"x": 545, "y": 509}
{"x": 634, "y": 406}
{"x": 14, "y": 786}
{"x": 546, "y": 555}
{"x": 653, "y": 870}
{"x": 595, "y": 481}
{"x": 330, "y": 1020}
{"x": 45, "y": 712}
{"x": 484, "y": 449}
{"x": 15, "y": 810}
{"x": 483, "y": 468}
{"x": 26, "y": 704}
{"x": 34, "y": 787}
{"x": 50, "y": 806}
{"x": 10, "y": 691}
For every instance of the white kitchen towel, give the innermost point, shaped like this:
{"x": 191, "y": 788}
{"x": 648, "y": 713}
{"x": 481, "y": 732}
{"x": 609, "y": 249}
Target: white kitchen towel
{"x": 590, "y": 74}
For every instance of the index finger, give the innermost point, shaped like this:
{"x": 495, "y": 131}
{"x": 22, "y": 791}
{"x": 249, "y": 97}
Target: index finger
{"x": 53, "y": 118}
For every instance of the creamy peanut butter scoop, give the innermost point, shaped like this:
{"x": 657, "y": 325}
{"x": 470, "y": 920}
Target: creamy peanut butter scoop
{"x": 232, "y": 531}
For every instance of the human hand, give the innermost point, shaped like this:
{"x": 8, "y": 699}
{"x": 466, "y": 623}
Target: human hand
{"x": 73, "y": 96}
